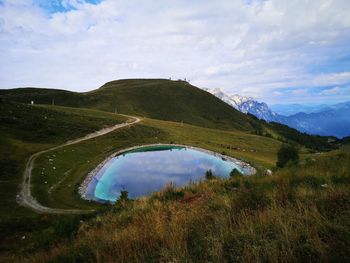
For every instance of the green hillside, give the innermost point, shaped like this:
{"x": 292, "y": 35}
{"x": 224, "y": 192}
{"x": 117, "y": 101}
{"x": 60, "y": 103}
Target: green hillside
{"x": 216, "y": 220}
{"x": 26, "y": 129}
{"x": 155, "y": 98}
{"x": 169, "y": 100}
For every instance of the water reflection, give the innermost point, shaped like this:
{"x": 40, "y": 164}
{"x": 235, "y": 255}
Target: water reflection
{"x": 148, "y": 170}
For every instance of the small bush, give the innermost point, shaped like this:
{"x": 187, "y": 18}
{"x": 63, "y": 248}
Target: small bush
{"x": 124, "y": 195}
{"x": 123, "y": 199}
{"x": 287, "y": 154}
{"x": 209, "y": 175}
{"x": 339, "y": 179}
{"x": 171, "y": 193}
{"x": 235, "y": 173}
{"x": 66, "y": 227}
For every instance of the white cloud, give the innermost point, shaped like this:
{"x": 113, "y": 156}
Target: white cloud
{"x": 332, "y": 79}
{"x": 332, "y": 91}
{"x": 253, "y": 49}
{"x": 336, "y": 91}
{"x": 300, "y": 92}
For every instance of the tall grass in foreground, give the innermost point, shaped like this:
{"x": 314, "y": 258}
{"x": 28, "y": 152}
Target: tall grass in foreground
{"x": 300, "y": 214}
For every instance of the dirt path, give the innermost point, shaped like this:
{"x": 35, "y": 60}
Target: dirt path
{"x": 25, "y": 197}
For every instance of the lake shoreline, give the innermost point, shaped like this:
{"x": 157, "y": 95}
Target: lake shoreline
{"x": 249, "y": 170}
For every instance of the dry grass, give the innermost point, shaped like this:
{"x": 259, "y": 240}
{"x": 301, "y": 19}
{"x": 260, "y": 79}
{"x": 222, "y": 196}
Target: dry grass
{"x": 300, "y": 214}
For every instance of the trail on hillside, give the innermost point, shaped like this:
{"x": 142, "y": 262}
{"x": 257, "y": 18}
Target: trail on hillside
{"x": 25, "y": 197}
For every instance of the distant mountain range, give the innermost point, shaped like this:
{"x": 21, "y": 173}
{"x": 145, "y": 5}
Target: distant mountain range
{"x": 327, "y": 120}
{"x": 291, "y": 109}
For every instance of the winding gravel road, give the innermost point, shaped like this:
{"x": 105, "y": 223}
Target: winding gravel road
{"x": 25, "y": 197}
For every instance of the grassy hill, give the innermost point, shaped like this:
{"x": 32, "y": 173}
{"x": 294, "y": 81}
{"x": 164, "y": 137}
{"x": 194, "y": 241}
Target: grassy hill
{"x": 169, "y": 100}
{"x": 48, "y": 125}
{"x": 176, "y": 112}
{"x": 154, "y": 98}
{"x": 26, "y": 129}
{"x": 216, "y": 220}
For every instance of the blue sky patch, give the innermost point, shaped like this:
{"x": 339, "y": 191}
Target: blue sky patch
{"x": 56, "y": 6}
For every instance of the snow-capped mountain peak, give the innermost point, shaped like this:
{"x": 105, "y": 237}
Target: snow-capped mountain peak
{"x": 332, "y": 120}
{"x": 245, "y": 104}
{"x": 217, "y": 92}
{"x": 238, "y": 99}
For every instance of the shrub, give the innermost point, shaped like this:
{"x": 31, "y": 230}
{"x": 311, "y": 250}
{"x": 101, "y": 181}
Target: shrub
{"x": 66, "y": 227}
{"x": 171, "y": 193}
{"x": 123, "y": 195}
{"x": 287, "y": 154}
{"x": 123, "y": 199}
{"x": 235, "y": 173}
{"x": 209, "y": 175}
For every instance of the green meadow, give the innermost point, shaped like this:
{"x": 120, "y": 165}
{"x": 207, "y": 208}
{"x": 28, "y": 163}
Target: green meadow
{"x": 299, "y": 213}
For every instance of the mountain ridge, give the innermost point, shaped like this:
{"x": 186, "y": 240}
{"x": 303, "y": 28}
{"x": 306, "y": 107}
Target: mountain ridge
{"x": 246, "y": 105}
{"x": 154, "y": 98}
{"x": 329, "y": 120}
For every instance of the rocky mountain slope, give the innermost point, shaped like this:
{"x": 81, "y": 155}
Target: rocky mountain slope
{"x": 247, "y": 105}
{"x": 331, "y": 120}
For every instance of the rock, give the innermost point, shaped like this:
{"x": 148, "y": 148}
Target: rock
{"x": 268, "y": 172}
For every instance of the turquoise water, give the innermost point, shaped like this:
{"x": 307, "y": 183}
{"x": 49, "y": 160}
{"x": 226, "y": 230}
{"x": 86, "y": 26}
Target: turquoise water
{"x": 149, "y": 169}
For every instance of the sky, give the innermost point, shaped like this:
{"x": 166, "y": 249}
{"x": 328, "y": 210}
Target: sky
{"x": 278, "y": 51}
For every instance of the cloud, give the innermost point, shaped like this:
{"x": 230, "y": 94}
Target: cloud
{"x": 336, "y": 91}
{"x": 333, "y": 79}
{"x": 332, "y": 91}
{"x": 256, "y": 48}
{"x": 300, "y": 92}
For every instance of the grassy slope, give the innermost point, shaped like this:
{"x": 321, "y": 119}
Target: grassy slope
{"x": 42, "y": 124}
{"x": 259, "y": 218}
{"x": 300, "y": 214}
{"x": 19, "y": 141}
{"x": 51, "y": 125}
{"x": 74, "y": 162}
{"x": 170, "y": 100}
{"x": 154, "y": 98}
{"x": 26, "y": 129}
{"x": 54, "y": 125}
{"x": 166, "y": 100}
